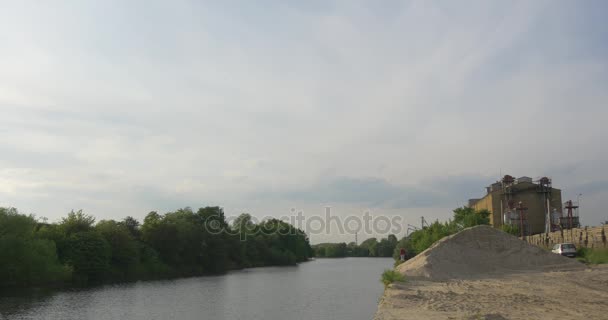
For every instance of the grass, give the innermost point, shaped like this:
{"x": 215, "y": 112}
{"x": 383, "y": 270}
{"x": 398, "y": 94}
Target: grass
{"x": 390, "y": 276}
{"x": 593, "y": 256}
{"x": 397, "y": 262}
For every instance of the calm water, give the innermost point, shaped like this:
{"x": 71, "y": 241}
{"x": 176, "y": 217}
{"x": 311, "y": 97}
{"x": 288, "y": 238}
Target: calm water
{"x": 322, "y": 289}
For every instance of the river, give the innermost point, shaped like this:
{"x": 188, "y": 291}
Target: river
{"x": 338, "y": 289}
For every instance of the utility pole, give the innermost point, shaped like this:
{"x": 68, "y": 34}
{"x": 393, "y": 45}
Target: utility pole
{"x": 578, "y": 211}
{"x": 356, "y": 241}
{"x": 521, "y": 210}
{"x": 422, "y": 222}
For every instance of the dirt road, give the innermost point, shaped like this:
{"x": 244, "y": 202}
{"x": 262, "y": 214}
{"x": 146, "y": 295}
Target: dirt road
{"x": 539, "y": 295}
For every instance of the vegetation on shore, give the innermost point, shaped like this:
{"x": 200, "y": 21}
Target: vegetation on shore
{"x": 368, "y": 248}
{"x": 182, "y": 243}
{"x": 592, "y": 255}
{"x": 422, "y": 239}
{"x": 390, "y": 276}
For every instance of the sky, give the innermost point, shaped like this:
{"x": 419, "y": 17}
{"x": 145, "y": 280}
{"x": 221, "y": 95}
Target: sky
{"x": 404, "y": 108}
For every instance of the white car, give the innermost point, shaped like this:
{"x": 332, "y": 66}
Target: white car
{"x": 565, "y": 249}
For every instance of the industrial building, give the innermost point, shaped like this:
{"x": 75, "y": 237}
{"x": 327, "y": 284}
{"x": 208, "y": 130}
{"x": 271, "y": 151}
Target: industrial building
{"x": 534, "y": 206}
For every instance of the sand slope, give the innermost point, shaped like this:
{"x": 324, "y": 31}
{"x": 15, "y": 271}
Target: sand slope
{"x": 483, "y": 273}
{"x": 483, "y": 251}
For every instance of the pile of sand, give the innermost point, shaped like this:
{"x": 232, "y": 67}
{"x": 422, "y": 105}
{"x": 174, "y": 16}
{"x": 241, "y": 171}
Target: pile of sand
{"x": 483, "y": 251}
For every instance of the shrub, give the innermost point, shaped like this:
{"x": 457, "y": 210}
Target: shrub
{"x": 390, "y": 276}
{"x": 397, "y": 262}
{"x": 511, "y": 229}
{"x": 592, "y": 256}
{"x": 422, "y": 239}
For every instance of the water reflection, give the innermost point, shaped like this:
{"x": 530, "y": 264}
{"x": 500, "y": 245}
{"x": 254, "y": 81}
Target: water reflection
{"x": 323, "y": 289}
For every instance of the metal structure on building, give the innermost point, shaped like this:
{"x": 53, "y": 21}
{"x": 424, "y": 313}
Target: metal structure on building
{"x": 541, "y": 204}
{"x": 571, "y": 220}
{"x": 544, "y": 188}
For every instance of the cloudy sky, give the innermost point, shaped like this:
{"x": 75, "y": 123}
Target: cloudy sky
{"x": 399, "y": 107}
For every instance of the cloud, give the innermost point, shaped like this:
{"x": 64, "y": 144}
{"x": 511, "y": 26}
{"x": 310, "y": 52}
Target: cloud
{"x": 380, "y": 193}
{"x": 593, "y": 187}
{"x": 394, "y": 104}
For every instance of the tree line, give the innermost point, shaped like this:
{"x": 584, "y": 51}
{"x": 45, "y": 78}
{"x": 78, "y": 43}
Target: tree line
{"x": 368, "y": 248}
{"x": 414, "y": 243}
{"x": 79, "y": 251}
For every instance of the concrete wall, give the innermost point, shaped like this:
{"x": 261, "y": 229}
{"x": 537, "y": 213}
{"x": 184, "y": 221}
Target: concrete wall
{"x": 594, "y": 237}
{"x": 491, "y": 202}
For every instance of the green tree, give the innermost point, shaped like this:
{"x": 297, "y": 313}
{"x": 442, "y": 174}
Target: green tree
{"x": 336, "y": 250}
{"x": 466, "y": 217}
{"x": 178, "y": 243}
{"x": 89, "y": 255}
{"x": 385, "y": 248}
{"x": 77, "y": 222}
{"x": 123, "y": 247}
{"x": 24, "y": 258}
{"x": 422, "y": 239}
{"x": 133, "y": 226}
{"x": 371, "y": 245}
{"x": 511, "y": 229}
{"x": 319, "y": 252}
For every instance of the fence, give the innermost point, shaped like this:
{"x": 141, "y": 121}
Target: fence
{"x": 589, "y": 237}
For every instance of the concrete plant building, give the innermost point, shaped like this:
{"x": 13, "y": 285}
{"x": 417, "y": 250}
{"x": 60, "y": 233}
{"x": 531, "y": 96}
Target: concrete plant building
{"x": 522, "y": 202}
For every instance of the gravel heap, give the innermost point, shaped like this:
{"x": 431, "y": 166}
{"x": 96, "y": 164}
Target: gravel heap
{"x": 483, "y": 251}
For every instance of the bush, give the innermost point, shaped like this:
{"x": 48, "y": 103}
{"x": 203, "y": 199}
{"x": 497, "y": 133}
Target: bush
{"x": 422, "y": 239}
{"x": 511, "y": 229}
{"x": 390, "y": 276}
{"x": 592, "y": 256}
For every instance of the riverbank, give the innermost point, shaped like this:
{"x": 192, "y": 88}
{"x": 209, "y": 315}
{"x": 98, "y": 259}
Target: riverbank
{"x": 484, "y": 273}
{"x": 545, "y": 295}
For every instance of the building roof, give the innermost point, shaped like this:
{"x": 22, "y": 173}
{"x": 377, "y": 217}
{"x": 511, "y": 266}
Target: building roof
{"x": 520, "y": 184}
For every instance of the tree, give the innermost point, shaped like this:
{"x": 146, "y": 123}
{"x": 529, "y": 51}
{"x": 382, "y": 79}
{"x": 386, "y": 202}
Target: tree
{"x": 319, "y": 252}
{"x": 466, "y": 217}
{"x": 162, "y": 237}
{"x": 243, "y": 223}
{"x": 371, "y": 245}
{"x": 77, "y": 222}
{"x": 337, "y": 250}
{"x": 385, "y": 248}
{"x": 215, "y": 239}
{"x": 422, "y": 239}
{"x": 392, "y": 239}
{"x": 124, "y": 249}
{"x": 89, "y": 254}
{"x": 133, "y": 226}
{"x": 178, "y": 243}
{"x": 26, "y": 259}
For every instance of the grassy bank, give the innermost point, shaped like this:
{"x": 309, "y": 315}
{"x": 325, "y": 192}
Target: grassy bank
{"x": 390, "y": 276}
{"x": 593, "y": 255}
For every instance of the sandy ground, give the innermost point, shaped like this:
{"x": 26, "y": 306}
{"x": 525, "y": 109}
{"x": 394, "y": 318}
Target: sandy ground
{"x": 541, "y": 295}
